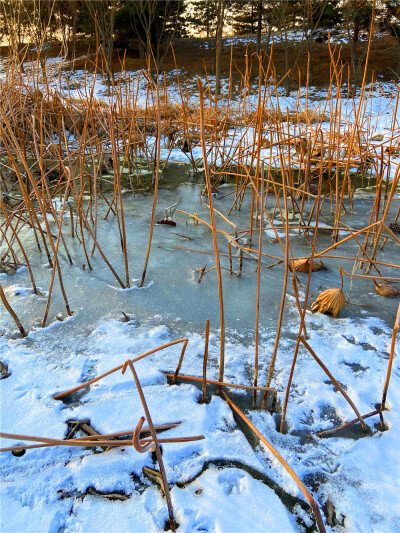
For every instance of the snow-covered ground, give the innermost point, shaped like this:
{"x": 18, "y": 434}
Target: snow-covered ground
{"x": 228, "y": 482}
{"x": 48, "y": 488}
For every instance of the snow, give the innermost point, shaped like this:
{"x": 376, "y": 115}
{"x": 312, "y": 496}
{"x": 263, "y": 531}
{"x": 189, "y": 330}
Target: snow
{"x": 213, "y": 486}
{"x": 48, "y": 486}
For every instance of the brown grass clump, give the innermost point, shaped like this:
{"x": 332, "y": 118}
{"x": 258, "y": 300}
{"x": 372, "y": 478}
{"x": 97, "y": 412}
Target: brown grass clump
{"x": 330, "y": 301}
{"x": 392, "y": 150}
{"x": 311, "y": 116}
{"x": 384, "y": 289}
{"x": 269, "y": 114}
{"x": 303, "y": 265}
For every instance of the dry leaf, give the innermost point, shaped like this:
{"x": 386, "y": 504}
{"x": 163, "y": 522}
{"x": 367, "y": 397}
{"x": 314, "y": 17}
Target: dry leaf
{"x": 392, "y": 150}
{"x": 329, "y": 301}
{"x": 311, "y": 188}
{"x": 303, "y": 265}
{"x": 384, "y": 289}
{"x": 167, "y": 222}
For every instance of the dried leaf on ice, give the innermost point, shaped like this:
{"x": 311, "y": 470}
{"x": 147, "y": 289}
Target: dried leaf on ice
{"x": 384, "y": 289}
{"x": 167, "y": 222}
{"x": 394, "y": 227}
{"x": 303, "y": 265}
{"x": 329, "y": 301}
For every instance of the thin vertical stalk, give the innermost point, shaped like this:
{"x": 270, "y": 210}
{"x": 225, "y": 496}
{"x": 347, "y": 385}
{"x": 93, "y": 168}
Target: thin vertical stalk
{"x": 204, "y": 383}
{"x": 214, "y": 234}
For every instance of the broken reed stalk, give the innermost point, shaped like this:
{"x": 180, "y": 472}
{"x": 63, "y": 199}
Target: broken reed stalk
{"x": 55, "y": 263}
{"x": 117, "y": 189}
{"x": 180, "y": 361}
{"x": 12, "y": 312}
{"x": 155, "y": 441}
{"x": 156, "y": 179}
{"x": 214, "y": 234}
{"x": 284, "y": 289}
{"x": 15, "y": 234}
{"x": 334, "y": 381}
{"x": 205, "y": 358}
{"x": 223, "y": 383}
{"x": 303, "y": 314}
{"x": 258, "y": 287}
{"x": 295, "y": 477}
{"x": 391, "y": 356}
{"x": 117, "y": 368}
{"x": 86, "y": 442}
{"x": 329, "y": 432}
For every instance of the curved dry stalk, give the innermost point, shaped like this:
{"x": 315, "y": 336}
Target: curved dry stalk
{"x": 337, "y": 385}
{"x": 150, "y": 447}
{"x": 117, "y": 368}
{"x": 155, "y": 442}
{"x": 12, "y": 312}
{"x": 391, "y": 356}
{"x": 300, "y": 484}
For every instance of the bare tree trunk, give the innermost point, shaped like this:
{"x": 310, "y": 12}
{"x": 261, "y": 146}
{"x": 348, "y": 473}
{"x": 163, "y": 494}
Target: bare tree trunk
{"x": 354, "y": 50}
{"x": 104, "y": 15}
{"x": 259, "y": 24}
{"x": 218, "y": 44}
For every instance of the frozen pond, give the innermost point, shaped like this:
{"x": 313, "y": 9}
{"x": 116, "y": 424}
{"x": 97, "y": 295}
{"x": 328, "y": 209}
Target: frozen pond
{"x": 51, "y": 485}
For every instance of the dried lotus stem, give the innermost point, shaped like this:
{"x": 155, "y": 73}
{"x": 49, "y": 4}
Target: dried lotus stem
{"x": 117, "y": 368}
{"x": 391, "y": 356}
{"x": 155, "y": 441}
{"x": 302, "y": 487}
{"x": 204, "y": 383}
{"x": 12, "y": 312}
{"x": 339, "y": 388}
